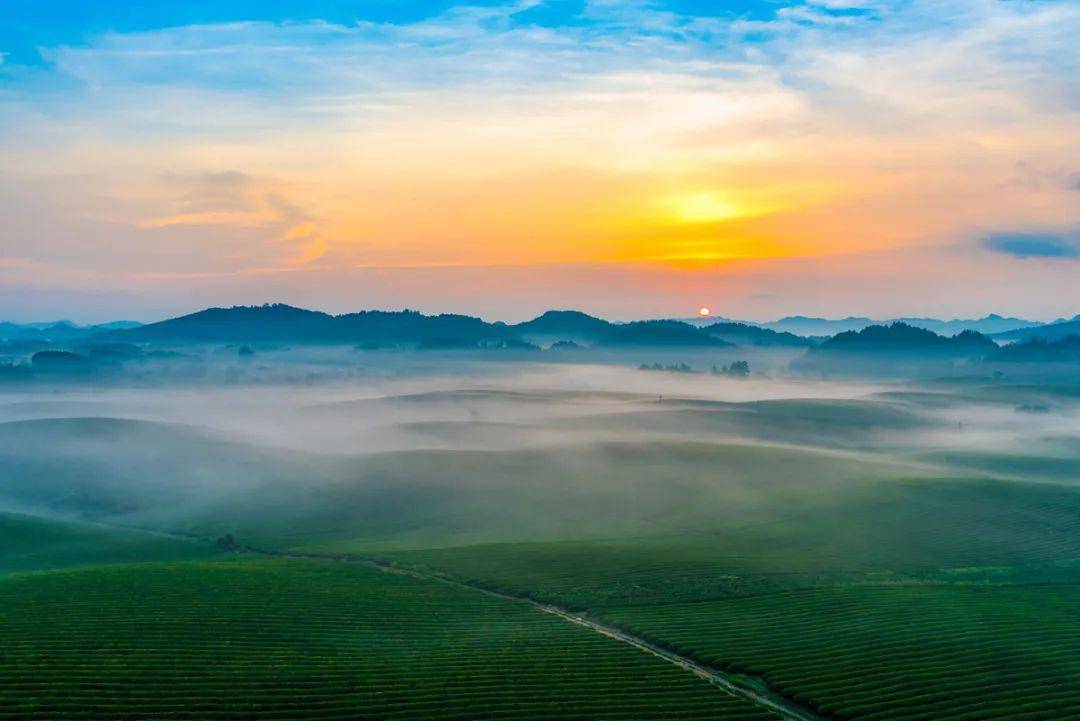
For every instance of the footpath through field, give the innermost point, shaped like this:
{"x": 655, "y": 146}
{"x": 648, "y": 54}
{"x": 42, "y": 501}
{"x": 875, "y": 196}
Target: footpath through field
{"x": 745, "y": 686}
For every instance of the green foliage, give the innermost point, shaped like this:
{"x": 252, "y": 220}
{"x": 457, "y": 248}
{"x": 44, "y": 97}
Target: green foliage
{"x": 291, "y": 639}
{"x": 941, "y": 653}
{"x": 895, "y": 532}
{"x": 31, "y": 543}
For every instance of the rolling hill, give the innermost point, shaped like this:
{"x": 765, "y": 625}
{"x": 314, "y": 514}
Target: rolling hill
{"x": 1049, "y": 332}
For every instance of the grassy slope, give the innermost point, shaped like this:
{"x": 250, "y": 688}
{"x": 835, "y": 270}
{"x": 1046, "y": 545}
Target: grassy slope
{"x": 32, "y": 543}
{"x": 293, "y": 639}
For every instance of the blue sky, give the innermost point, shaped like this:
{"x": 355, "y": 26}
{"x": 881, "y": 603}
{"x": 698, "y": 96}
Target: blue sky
{"x": 33, "y": 24}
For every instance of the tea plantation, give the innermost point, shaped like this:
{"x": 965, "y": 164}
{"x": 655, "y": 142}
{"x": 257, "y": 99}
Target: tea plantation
{"x": 304, "y": 639}
{"x": 883, "y": 653}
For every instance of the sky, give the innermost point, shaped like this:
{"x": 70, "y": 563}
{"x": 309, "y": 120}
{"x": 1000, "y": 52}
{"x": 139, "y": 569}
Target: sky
{"x": 630, "y": 158}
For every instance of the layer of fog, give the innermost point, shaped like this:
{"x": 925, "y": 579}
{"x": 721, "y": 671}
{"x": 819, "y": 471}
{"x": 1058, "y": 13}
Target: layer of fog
{"x": 508, "y": 405}
{"x": 467, "y": 450}
{"x": 373, "y": 413}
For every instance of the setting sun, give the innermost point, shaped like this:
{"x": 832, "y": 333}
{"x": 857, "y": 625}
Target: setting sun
{"x": 705, "y": 207}
{"x": 704, "y": 311}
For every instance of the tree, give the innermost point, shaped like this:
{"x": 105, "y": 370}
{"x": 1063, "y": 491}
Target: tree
{"x": 740, "y": 369}
{"x": 227, "y": 543}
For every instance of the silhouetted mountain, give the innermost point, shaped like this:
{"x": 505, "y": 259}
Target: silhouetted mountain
{"x": 992, "y": 323}
{"x": 806, "y": 326}
{"x": 704, "y": 321}
{"x": 287, "y": 324}
{"x": 274, "y": 322}
{"x": 658, "y": 333}
{"x": 1063, "y": 350}
{"x": 116, "y": 325}
{"x": 566, "y": 324}
{"x": 284, "y": 323}
{"x": 896, "y": 349}
{"x": 901, "y": 337}
{"x": 745, "y": 334}
{"x": 1051, "y": 331}
{"x": 577, "y": 326}
{"x": 279, "y": 323}
{"x": 58, "y": 331}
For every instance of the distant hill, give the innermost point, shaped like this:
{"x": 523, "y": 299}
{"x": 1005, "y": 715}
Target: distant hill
{"x": 659, "y": 333}
{"x": 992, "y": 323}
{"x": 703, "y": 321}
{"x": 903, "y": 338}
{"x": 575, "y": 326}
{"x": 808, "y": 326}
{"x": 746, "y": 334}
{"x": 564, "y": 324}
{"x": 285, "y": 323}
{"x": 1035, "y": 350}
{"x": 59, "y": 331}
{"x": 1051, "y": 331}
{"x": 893, "y": 349}
{"x": 281, "y": 323}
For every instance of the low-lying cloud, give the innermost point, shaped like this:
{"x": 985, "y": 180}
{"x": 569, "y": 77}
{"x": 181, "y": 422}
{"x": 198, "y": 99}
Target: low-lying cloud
{"x": 1033, "y": 245}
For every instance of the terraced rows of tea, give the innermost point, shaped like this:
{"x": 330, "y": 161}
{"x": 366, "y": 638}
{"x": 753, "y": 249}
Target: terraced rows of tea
{"x": 877, "y": 653}
{"x": 298, "y": 639}
{"x": 29, "y": 543}
{"x": 904, "y": 530}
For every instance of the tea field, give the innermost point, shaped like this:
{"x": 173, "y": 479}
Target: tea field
{"x": 306, "y": 639}
{"x": 882, "y": 653}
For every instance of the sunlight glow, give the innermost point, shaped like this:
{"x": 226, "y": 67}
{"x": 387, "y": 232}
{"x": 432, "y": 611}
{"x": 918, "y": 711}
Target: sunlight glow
{"x": 703, "y": 207}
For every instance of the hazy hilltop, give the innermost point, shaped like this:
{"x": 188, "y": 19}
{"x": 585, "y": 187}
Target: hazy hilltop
{"x": 287, "y": 341}
{"x": 578, "y": 326}
{"x": 62, "y": 330}
{"x": 284, "y": 323}
{"x": 1051, "y": 331}
{"x": 287, "y": 324}
{"x": 659, "y": 332}
{"x": 279, "y": 322}
{"x": 811, "y": 326}
{"x": 1061, "y": 350}
{"x": 746, "y": 334}
{"x": 564, "y": 324}
{"x": 901, "y": 338}
{"x": 893, "y": 348}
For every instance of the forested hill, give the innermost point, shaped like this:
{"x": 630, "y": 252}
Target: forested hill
{"x": 287, "y": 324}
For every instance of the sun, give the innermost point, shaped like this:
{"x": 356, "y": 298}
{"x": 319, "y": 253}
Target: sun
{"x": 704, "y": 207}
{"x": 704, "y": 311}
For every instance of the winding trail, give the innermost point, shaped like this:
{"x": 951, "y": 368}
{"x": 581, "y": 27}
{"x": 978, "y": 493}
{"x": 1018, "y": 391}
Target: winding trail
{"x": 750, "y": 687}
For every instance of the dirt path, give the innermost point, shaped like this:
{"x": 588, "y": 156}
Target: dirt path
{"x": 745, "y": 686}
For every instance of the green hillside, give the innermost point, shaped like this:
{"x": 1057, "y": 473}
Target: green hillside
{"x": 31, "y": 543}
{"x": 886, "y": 532}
